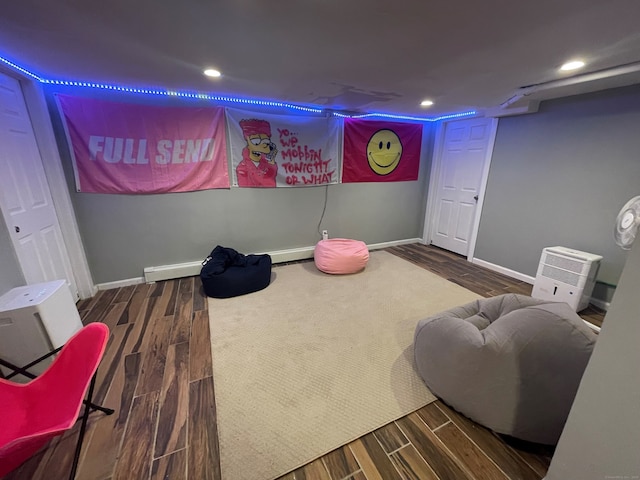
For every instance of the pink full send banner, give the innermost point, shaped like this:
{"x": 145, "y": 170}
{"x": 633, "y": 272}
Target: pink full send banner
{"x": 131, "y": 148}
{"x": 282, "y": 150}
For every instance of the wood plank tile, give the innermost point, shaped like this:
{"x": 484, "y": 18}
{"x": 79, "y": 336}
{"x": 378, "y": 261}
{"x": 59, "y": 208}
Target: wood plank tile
{"x": 432, "y": 449}
{"x": 83, "y": 317}
{"x": 89, "y": 303}
{"x": 593, "y": 314}
{"x": 120, "y": 370}
{"x": 432, "y": 416}
{"x": 101, "y": 306}
{"x": 174, "y": 401}
{"x": 29, "y": 468}
{"x": 340, "y": 463}
{"x": 199, "y": 298}
{"x": 391, "y": 437}
{"x": 468, "y": 453}
{"x": 172, "y": 291}
{"x": 182, "y": 324}
{"x": 140, "y": 332}
{"x": 481, "y": 280}
{"x": 186, "y": 285}
{"x": 411, "y": 465}
{"x": 204, "y": 453}
{"x": 357, "y": 476}
{"x": 105, "y": 436}
{"x": 372, "y": 459}
{"x": 162, "y": 300}
{"x": 200, "y": 347}
{"x": 84, "y": 305}
{"x": 132, "y": 311}
{"x": 538, "y": 457}
{"x": 156, "y": 289}
{"x": 170, "y": 467}
{"x": 58, "y": 463}
{"x": 154, "y": 356}
{"x": 502, "y": 455}
{"x": 111, "y": 360}
{"x": 469, "y": 285}
{"x": 113, "y": 315}
{"x": 137, "y": 444}
{"x": 312, "y": 471}
{"x": 124, "y": 294}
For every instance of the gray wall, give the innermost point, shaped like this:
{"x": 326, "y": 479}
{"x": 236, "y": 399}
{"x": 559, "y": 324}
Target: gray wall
{"x": 559, "y": 177}
{"x": 601, "y": 437}
{"x": 10, "y": 272}
{"x": 123, "y": 234}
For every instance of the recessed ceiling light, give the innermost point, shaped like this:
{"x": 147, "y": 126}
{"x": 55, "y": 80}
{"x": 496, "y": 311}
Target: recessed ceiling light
{"x": 210, "y": 72}
{"x": 426, "y": 103}
{"x": 572, "y": 65}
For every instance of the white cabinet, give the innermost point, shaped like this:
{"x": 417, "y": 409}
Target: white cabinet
{"x": 34, "y": 320}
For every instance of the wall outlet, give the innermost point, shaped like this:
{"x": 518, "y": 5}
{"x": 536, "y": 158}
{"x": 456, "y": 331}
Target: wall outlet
{"x": 325, "y": 235}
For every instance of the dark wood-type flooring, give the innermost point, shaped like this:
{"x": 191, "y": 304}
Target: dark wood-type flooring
{"x": 157, "y": 375}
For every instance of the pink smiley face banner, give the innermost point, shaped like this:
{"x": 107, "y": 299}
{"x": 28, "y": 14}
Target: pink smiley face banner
{"x": 377, "y": 151}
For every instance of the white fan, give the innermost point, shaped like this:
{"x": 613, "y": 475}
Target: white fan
{"x": 627, "y": 223}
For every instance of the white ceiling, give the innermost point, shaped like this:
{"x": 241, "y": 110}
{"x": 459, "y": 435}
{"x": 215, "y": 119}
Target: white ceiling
{"x": 355, "y": 55}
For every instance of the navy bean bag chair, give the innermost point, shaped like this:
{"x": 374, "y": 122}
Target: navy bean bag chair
{"x": 226, "y": 273}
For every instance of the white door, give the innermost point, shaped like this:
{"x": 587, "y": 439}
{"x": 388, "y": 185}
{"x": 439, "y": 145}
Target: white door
{"x": 461, "y": 169}
{"x": 25, "y": 198}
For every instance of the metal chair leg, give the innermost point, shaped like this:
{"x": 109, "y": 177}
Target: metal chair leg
{"x": 105, "y": 410}
{"x": 83, "y": 426}
{"x": 23, "y": 370}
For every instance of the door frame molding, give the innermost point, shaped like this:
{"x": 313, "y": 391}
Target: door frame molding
{"x": 434, "y": 178}
{"x": 36, "y": 103}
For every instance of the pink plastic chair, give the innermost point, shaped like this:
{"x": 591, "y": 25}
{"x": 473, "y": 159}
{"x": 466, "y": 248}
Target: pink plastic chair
{"x": 47, "y": 406}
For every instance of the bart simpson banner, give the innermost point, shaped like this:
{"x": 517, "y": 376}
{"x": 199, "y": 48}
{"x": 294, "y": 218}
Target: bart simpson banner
{"x": 376, "y": 151}
{"x": 282, "y": 150}
{"x": 129, "y": 148}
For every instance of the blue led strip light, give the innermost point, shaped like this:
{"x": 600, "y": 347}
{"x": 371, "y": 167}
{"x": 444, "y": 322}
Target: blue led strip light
{"x": 217, "y": 98}
{"x": 20, "y": 69}
{"x": 181, "y": 94}
{"x": 407, "y": 117}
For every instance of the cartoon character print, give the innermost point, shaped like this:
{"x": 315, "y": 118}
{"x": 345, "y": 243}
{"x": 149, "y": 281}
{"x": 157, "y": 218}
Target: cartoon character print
{"x": 258, "y": 167}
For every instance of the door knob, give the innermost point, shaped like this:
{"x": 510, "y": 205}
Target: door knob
{"x": 17, "y": 229}
{"x": 475, "y": 197}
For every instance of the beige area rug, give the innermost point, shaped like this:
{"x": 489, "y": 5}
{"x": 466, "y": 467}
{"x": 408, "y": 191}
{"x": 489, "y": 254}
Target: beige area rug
{"x": 315, "y": 361}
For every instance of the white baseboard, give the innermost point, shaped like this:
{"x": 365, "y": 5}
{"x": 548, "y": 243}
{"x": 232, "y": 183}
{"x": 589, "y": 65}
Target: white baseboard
{"x": 291, "y": 254}
{"x": 530, "y": 280}
{"x": 505, "y": 271}
{"x": 177, "y": 270}
{"x": 91, "y": 291}
{"x": 600, "y": 303}
{"x": 394, "y": 243}
{"x": 120, "y": 283}
{"x": 188, "y": 269}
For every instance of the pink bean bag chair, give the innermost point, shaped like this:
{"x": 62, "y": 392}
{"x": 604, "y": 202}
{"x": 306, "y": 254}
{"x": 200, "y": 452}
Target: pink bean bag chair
{"x": 340, "y": 255}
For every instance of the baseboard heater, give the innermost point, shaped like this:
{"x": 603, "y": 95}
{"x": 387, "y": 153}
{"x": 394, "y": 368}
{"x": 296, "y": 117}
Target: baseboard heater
{"x": 166, "y": 272}
{"x": 189, "y": 269}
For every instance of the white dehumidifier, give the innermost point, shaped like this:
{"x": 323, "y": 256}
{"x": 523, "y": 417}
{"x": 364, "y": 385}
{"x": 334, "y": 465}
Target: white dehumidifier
{"x": 566, "y": 275}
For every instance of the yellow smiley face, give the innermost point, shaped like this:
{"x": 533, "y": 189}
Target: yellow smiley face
{"x": 384, "y": 151}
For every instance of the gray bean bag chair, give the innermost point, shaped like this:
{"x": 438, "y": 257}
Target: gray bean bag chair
{"x": 511, "y": 363}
